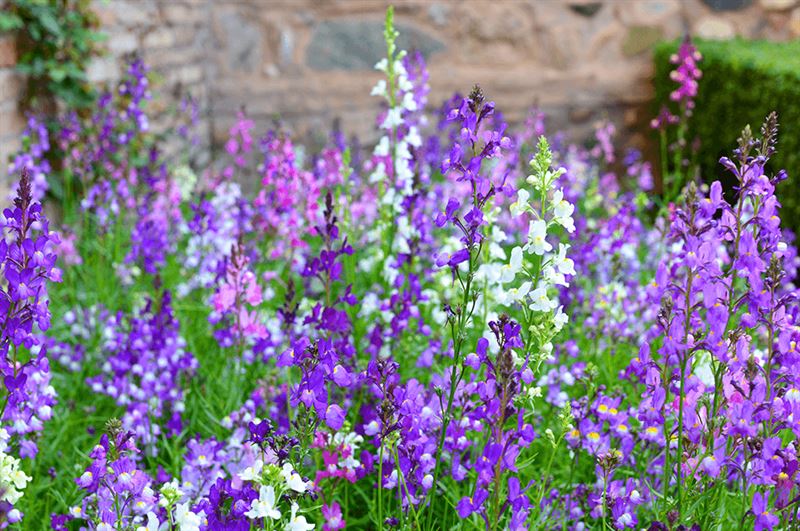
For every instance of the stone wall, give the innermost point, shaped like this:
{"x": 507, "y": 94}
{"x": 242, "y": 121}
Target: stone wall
{"x": 172, "y": 37}
{"x": 309, "y": 62}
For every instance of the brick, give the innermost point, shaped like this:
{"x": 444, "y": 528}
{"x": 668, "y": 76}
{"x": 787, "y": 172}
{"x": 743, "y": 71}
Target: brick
{"x": 162, "y": 37}
{"x": 8, "y": 52}
{"x": 122, "y": 42}
{"x": 185, "y": 12}
{"x": 103, "y": 69}
{"x": 10, "y": 85}
{"x": 11, "y": 120}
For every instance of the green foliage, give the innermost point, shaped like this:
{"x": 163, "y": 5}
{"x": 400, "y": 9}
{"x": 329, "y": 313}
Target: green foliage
{"x": 56, "y": 39}
{"x": 743, "y": 81}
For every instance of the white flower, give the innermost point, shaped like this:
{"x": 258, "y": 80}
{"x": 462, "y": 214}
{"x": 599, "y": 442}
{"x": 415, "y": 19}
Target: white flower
{"x": 537, "y": 234}
{"x": 253, "y": 472}
{"x": 560, "y": 319}
{"x": 394, "y": 117}
{"x": 379, "y": 89}
{"x": 293, "y": 479}
{"x": 186, "y": 520}
{"x": 513, "y": 295}
{"x": 413, "y": 138}
{"x": 171, "y": 493}
{"x": 298, "y": 522}
{"x": 521, "y": 204}
{"x": 264, "y": 506}
{"x": 152, "y": 523}
{"x": 12, "y": 480}
{"x": 562, "y": 211}
{"x": 553, "y": 277}
{"x": 510, "y": 270}
{"x": 382, "y": 147}
{"x": 540, "y": 302}
{"x": 409, "y": 103}
{"x": 564, "y": 265}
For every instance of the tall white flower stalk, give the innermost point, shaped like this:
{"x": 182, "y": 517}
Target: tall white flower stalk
{"x": 392, "y": 159}
{"x": 541, "y": 263}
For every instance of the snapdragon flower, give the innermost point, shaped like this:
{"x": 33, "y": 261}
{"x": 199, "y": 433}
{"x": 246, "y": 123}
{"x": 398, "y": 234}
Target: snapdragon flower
{"x": 546, "y": 269}
{"x": 264, "y": 506}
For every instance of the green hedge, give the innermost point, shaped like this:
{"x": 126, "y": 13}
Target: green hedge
{"x": 742, "y": 82}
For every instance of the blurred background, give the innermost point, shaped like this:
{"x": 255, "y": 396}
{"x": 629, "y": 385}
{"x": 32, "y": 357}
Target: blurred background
{"x": 310, "y": 63}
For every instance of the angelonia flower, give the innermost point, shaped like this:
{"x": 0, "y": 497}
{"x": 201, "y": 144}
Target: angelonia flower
{"x": 33, "y": 157}
{"x": 672, "y": 124}
{"x": 236, "y": 302}
{"x": 28, "y": 257}
{"x": 144, "y": 368}
{"x": 287, "y": 204}
{"x": 550, "y": 267}
{"x": 217, "y": 222}
{"x": 686, "y": 73}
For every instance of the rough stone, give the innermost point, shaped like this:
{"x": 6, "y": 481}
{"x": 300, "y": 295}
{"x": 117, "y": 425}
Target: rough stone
{"x": 102, "y": 69}
{"x": 183, "y": 13}
{"x": 133, "y": 13}
{"x": 588, "y": 9}
{"x": 778, "y": 5}
{"x": 727, "y": 5}
{"x": 10, "y": 82}
{"x": 162, "y": 37}
{"x": 8, "y": 52}
{"x": 12, "y": 120}
{"x": 794, "y": 23}
{"x": 640, "y": 39}
{"x": 580, "y": 114}
{"x": 358, "y": 44}
{"x": 122, "y": 43}
{"x": 287, "y": 46}
{"x": 242, "y": 43}
{"x": 715, "y": 28}
{"x": 439, "y": 13}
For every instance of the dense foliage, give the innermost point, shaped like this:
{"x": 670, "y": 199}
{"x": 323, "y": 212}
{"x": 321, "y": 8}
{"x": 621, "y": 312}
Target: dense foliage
{"x": 742, "y": 82}
{"x": 468, "y": 326}
{"x": 55, "y": 41}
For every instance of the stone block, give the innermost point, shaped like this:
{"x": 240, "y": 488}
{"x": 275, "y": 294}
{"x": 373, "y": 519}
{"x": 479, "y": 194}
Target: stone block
{"x": 241, "y": 43}
{"x": 122, "y": 42}
{"x": 8, "y": 52}
{"x": 12, "y": 123}
{"x": 727, "y": 5}
{"x": 359, "y": 44}
{"x": 778, "y": 5}
{"x": 715, "y": 28}
{"x": 102, "y": 69}
{"x": 137, "y": 14}
{"x": 160, "y": 37}
{"x": 10, "y": 86}
{"x": 640, "y": 39}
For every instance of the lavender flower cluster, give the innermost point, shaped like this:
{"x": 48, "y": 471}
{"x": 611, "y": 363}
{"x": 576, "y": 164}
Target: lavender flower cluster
{"x": 465, "y": 326}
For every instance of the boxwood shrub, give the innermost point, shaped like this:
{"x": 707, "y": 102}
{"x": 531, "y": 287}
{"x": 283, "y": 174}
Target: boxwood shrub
{"x": 742, "y": 82}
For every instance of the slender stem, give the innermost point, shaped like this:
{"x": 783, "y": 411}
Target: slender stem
{"x": 684, "y": 362}
{"x": 380, "y": 487}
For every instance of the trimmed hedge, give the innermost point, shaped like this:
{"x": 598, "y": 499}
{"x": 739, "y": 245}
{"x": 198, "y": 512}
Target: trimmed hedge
{"x": 742, "y": 82}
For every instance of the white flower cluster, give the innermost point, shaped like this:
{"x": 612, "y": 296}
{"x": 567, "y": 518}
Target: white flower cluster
{"x": 542, "y": 266}
{"x": 206, "y": 250}
{"x": 265, "y": 506}
{"x": 186, "y": 179}
{"x": 393, "y": 145}
{"x": 12, "y": 480}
